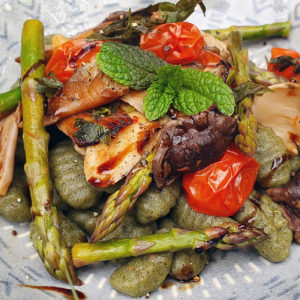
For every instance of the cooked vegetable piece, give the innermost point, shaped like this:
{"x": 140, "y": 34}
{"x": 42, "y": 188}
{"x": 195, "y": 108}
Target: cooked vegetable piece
{"x": 268, "y": 216}
{"x": 285, "y": 62}
{"x": 280, "y": 110}
{"x": 264, "y": 77}
{"x": 275, "y": 167}
{"x": 70, "y": 232}
{"x": 15, "y": 205}
{"x": 88, "y": 88}
{"x": 51, "y": 249}
{"x": 123, "y": 200}
{"x": 187, "y": 264}
{"x": 155, "y": 203}
{"x": 246, "y": 139}
{"x": 190, "y": 143}
{"x": 226, "y": 236}
{"x": 176, "y": 43}
{"x": 105, "y": 165}
{"x": 10, "y": 99}
{"x": 131, "y": 25}
{"x": 71, "y": 55}
{"x": 142, "y": 275}
{"x": 279, "y": 29}
{"x": 9, "y": 128}
{"x": 187, "y": 218}
{"x": 221, "y": 188}
{"x": 66, "y": 169}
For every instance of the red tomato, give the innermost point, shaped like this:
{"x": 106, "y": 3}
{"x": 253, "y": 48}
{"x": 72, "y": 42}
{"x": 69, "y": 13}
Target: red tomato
{"x": 209, "y": 59}
{"x": 288, "y": 72}
{"x": 222, "y": 187}
{"x": 71, "y": 55}
{"x": 176, "y": 43}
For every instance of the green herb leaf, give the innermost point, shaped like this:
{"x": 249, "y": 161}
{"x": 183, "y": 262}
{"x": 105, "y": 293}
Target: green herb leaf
{"x": 132, "y": 25}
{"x": 172, "y": 75}
{"x": 285, "y": 61}
{"x": 158, "y": 100}
{"x": 200, "y": 90}
{"x": 90, "y": 133}
{"x": 249, "y": 89}
{"x": 129, "y": 65}
{"x": 104, "y": 111}
{"x": 48, "y": 86}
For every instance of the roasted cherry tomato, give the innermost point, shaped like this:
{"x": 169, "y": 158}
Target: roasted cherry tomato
{"x": 176, "y": 43}
{"x": 71, "y": 55}
{"x": 208, "y": 58}
{"x": 289, "y": 72}
{"x": 222, "y": 187}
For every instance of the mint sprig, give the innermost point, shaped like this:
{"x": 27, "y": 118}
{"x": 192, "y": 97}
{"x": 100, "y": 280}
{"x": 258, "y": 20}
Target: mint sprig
{"x": 189, "y": 90}
{"x": 193, "y": 91}
{"x": 129, "y": 65}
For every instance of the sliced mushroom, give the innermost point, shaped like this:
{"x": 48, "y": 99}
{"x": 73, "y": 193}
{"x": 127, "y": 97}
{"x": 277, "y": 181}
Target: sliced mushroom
{"x": 281, "y": 111}
{"x": 8, "y": 143}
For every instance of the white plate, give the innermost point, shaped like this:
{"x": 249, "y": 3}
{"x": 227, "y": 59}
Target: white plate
{"x": 230, "y": 275}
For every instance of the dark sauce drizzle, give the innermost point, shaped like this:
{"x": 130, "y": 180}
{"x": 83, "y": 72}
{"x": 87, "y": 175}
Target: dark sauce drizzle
{"x": 63, "y": 291}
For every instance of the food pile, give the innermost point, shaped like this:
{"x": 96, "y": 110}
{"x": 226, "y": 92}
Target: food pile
{"x": 148, "y": 142}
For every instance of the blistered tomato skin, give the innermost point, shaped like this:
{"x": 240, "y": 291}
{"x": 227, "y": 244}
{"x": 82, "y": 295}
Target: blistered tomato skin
{"x": 288, "y": 72}
{"x": 70, "y": 55}
{"x": 222, "y": 187}
{"x": 176, "y": 43}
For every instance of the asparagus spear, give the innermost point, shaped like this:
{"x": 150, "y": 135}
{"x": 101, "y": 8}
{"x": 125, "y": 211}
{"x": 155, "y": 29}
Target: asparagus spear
{"x": 51, "y": 249}
{"x": 226, "y": 237}
{"x": 280, "y": 29}
{"x": 265, "y": 77}
{"x": 10, "y": 99}
{"x": 246, "y": 139}
{"x": 123, "y": 200}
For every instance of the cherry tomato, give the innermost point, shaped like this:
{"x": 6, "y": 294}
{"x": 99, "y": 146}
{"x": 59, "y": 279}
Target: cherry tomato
{"x": 71, "y": 55}
{"x": 222, "y": 187}
{"x": 176, "y": 43}
{"x": 208, "y": 58}
{"x": 289, "y": 72}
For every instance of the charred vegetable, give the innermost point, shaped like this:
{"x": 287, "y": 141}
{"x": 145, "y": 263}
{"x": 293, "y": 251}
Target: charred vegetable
{"x": 66, "y": 168}
{"x": 130, "y": 26}
{"x": 154, "y": 204}
{"x": 262, "y": 212}
{"x": 271, "y": 154}
{"x": 190, "y": 143}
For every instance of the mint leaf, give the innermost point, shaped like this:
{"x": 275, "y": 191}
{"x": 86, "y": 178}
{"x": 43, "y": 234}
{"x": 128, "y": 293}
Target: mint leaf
{"x": 200, "y": 90}
{"x": 158, "y": 100}
{"x": 129, "y": 65}
{"x": 172, "y": 75}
